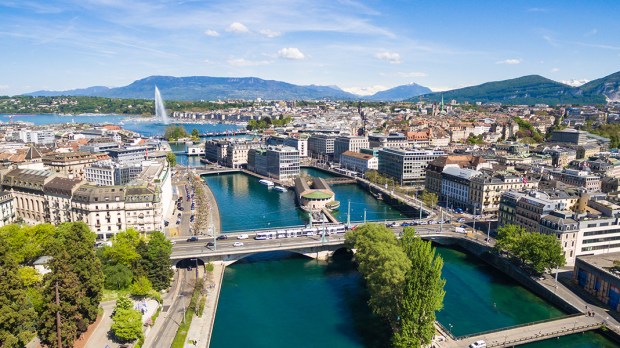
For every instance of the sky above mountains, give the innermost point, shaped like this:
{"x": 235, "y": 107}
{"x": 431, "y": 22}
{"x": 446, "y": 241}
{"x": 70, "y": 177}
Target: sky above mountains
{"x": 361, "y": 46}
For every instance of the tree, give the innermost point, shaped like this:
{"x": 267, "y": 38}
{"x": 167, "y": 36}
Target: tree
{"x": 77, "y": 272}
{"x": 159, "y": 250}
{"x": 539, "y": 251}
{"x": 430, "y": 199}
{"x": 174, "y": 132}
{"x": 117, "y": 276}
{"x": 123, "y": 249}
{"x": 423, "y": 293}
{"x": 17, "y": 317}
{"x": 127, "y": 324}
{"x": 141, "y": 287}
{"x": 195, "y": 133}
{"x": 171, "y": 158}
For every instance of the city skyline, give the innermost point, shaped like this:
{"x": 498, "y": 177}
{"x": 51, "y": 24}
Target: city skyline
{"x": 362, "y": 47}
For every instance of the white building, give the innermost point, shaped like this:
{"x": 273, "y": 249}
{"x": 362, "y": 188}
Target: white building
{"x": 7, "y": 208}
{"x": 348, "y": 143}
{"x": 300, "y": 143}
{"x": 358, "y": 162}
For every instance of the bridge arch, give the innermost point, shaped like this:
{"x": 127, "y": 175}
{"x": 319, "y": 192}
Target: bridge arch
{"x": 189, "y": 262}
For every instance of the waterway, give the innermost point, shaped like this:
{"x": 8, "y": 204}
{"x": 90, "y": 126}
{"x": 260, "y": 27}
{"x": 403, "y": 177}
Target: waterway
{"x": 145, "y": 126}
{"x": 588, "y": 339}
{"x": 291, "y": 301}
{"x": 245, "y": 204}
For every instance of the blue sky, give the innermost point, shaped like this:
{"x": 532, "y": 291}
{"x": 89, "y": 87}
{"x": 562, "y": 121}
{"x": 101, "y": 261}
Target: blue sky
{"x": 360, "y": 46}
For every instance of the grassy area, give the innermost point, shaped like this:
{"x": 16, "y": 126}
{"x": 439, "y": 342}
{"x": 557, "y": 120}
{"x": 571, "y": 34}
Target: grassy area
{"x": 111, "y": 295}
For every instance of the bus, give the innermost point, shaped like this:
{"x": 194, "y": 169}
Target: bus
{"x": 265, "y": 235}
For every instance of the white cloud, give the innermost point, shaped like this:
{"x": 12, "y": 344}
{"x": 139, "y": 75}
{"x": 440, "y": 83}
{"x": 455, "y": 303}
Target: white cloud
{"x": 392, "y": 57}
{"x": 511, "y": 61}
{"x": 291, "y": 53}
{"x": 245, "y": 62}
{"x": 555, "y": 70}
{"x": 212, "y": 33}
{"x": 269, "y": 33}
{"x": 369, "y": 90}
{"x": 237, "y": 27}
{"x": 537, "y": 9}
{"x": 4, "y": 87}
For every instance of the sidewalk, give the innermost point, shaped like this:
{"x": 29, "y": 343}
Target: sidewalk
{"x": 201, "y": 328}
{"x": 167, "y": 302}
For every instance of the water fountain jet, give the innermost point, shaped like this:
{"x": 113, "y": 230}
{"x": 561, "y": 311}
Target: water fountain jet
{"x": 160, "y": 110}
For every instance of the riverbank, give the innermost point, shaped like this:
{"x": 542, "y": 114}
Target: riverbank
{"x": 199, "y": 334}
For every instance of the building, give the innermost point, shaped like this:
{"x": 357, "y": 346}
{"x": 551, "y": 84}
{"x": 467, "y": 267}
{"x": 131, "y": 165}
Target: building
{"x": 128, "y": 156}
{"x": 317, "y": 198}
{"x": 321, "y": 145}
{"x": 278, "y": 162}
{"x": 455, "y": 186}
{"x": 7, "y": 208}
{"x": 108, "y": 173}
{"x": 40, "y": 137}
{"x": 96, "y": 145}
{"x": 599, "y": 276}
{"x": 300, "y": 143}
{"x": 58, "y": 193}
{"x": 579, "y": 178}
{"x": 69, "y": 164}
{"x": 215, "y": 150}
{"x": 406, "y": 165}
{"x": 571, "y": 136}
{"x": 487, "y": 188}
{"x": 237, "y": 153}
{"x": 435, "y": 168}
{"x": 358, "y": 162}
{"x": 26, "y": 187}
{"x": 195, "y": 149}
{"x": 348, "y": 143}
{"x": 394, "y": 140}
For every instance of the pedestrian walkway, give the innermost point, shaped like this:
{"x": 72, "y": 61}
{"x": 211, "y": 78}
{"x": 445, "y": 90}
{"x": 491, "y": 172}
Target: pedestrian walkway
{"x": 199, "y": 334}
{"x": 167, "y": 302}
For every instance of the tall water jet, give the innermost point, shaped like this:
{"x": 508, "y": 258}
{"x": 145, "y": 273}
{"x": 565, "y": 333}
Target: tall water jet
{"x": 160, "y": 110}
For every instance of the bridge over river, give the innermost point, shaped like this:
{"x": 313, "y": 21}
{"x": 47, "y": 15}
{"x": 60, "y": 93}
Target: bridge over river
{"x": 318, "y": 247}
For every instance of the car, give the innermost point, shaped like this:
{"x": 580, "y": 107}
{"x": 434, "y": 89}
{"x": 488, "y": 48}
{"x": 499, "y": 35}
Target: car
{"x": 404, "y": 224}
{"x": 181, "y": 208}
{"x": 179, "y": 215}
{"x": 463, "y": 226}
{"x": 460, "y": 220}
{"x": 242, "y": 236}
{"x": 166, "y": 222}
{"x": 192, "y": 239}
{"x": 210, "y": 244}
{"x": 237, "y": 244}
{"x": 432, "y": 222}
{"x": 478, "y": 344}
{"x": 178, "y": 221}
{"x": 222, "y": 237}
{"x": 423, "y": 223}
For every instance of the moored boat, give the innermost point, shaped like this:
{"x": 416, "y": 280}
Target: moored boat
{"x": 280, "y": 189}
{"x": 266, "y": 182}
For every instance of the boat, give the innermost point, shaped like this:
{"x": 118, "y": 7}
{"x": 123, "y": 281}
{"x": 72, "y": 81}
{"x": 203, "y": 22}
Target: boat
{"x": 266, "y": 182}
{"x": 280, "y": 189}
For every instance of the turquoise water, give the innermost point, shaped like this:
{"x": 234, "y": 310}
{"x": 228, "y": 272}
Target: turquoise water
{"x": 480, "y": 298}
{"x": 317, "y": 173}
{"x": 582, "y": 340}
{"x": 245, "y": 204}
{"x": 296, "y": 302}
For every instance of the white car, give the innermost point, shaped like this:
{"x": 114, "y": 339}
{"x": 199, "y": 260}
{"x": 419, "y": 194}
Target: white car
{"x": 478, "y": 344}
{"x": 238, "y": 244}
{"x": 242, "y": 236}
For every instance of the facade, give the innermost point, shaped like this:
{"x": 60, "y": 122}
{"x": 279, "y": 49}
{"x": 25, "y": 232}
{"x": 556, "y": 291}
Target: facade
{"x": 215, "y": 150}
{"x": 394, "y": 140}
{"x": 578, "y": 178}
{"x": 96, "y": 145}
{"x": 406, "y": 165}
{"x": 300, "y": 143}
{"x": 282, "y": 162}
{"x": 348, "y": 143}
{"x": 434, "y": 169}
{"x": 7, "y": 208}
{"x": 487, "y": 188}
{"x": 237, "y": 153}
{"x": 108, "y": 173}
{"x": 455, "y": 186}
{"x": 571, "y": 136}
{"x": 321, "y": 145}
{"x": 128, "y": 156}
{"x": 58, "y": 193}
{"x": 598, "y": 276}
{"x": 195, "y": 150}
{"x": 358, "y": 162}
{"x": 40, "y": 137}
{"x": 69, "y": 164}
{"x": 27, "y": 188}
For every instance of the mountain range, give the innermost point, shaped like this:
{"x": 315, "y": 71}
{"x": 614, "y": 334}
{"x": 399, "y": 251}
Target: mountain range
{"x": 220, "y": 88}
{"x": 531, "y": 89}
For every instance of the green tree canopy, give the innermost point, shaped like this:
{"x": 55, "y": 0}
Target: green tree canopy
{"x": 430, "y": 199}
{"x": 539, "y": 251}
{"x": 171, "y": 158}
{"x": 141, "y": 287}
{"x": 174, "y": 132}
{"x": 127, "y": 324}
{"x": 117, "y": 276}
{"x": 123, "y": 249}
{"x": 159, "y": 250}
{"x": 195, "y": 133}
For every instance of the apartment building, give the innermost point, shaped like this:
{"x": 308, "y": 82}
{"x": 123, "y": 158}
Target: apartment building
{"x": 435, "y": 168}
{"x": 358, "y": 162}
{"x": 26, "y": 187}
{"x": 7, "y": 208}
{"x": 348, "y": 143}
{"x": 579, "y": 178}
{"x": 69, "y": 164}
{"x": 128, "y": 156}
{"x": 215, "y": 150}
{"x": 237, "y": 153}
{"x": 406, "y": 165}
{"x": 300, "y": 143}
{"x": 393, "y": 140}
{"x": 321, "y": 145}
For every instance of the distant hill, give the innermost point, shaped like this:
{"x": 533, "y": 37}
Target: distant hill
{"x": 210, "y": 88}
{"x": 609, "y": 86}
{"x": 399, "y": 93}
{"x": 533, "y": 89}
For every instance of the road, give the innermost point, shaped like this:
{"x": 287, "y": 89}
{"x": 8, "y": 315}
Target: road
{"x": 183, "y": 249}
{"x": 171, "y": 316}
{"x": 100, "y": 338}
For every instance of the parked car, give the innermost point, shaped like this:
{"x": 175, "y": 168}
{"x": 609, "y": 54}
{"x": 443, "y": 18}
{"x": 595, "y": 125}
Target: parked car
{"x": 210, "y": 244}
{"x": 192, "y": 239}
{"x": 222, "y": 237}
{"x": 237, "y": 244}
{"x": 478, "y": 344}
